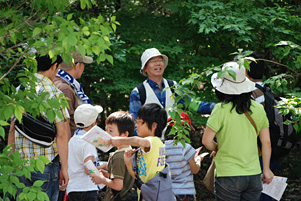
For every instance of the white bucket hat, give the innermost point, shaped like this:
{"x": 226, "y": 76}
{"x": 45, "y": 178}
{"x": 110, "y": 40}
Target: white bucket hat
{"x": 86, "y": 114}
{"x": 228, "y": 85}
{"x": 150, "y": 53}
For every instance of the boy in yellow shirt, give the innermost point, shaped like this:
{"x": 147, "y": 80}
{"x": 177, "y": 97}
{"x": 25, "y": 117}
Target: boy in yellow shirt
{"x": 150, "y": 123}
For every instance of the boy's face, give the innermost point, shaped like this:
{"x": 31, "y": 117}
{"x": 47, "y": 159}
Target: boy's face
{"x": 142, "y": 128}
{"x": 112, "y": 129}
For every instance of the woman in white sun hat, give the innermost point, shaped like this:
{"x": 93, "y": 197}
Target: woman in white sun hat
{"x": 238, "y": 173}
{"x": 153, "y": 64}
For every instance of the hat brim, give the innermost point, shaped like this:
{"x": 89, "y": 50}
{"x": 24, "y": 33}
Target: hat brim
{"x": 98, "y": 108}
{"x": 87, "y": 60}
{"x": 232, "y": 88}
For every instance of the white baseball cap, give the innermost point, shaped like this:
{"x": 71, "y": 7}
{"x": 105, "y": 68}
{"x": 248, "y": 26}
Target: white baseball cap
{"x": 86, "y": 114}
{"x": 228, "y": 85}
{"x": 150, "y": 53}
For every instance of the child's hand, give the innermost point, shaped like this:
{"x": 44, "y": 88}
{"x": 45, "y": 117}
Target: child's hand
{"x": 128, "y": 155}
{"x": 87, "y": 171}
{"x": 98, "y": 179}
{"x": 116, "y": 141}
{"x": 198, "y": 151}
{"x": 105, "y": 173}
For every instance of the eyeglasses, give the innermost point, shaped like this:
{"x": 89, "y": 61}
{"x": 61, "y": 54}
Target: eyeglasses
{"x": 155, "y": 61}
{"x": 139, "y": 121}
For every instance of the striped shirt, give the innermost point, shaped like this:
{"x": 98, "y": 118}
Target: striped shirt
{"x": 28, "y": 149}
{"x": 178, "y": 158}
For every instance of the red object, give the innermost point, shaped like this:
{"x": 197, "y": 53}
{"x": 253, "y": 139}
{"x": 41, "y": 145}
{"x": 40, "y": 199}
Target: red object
{"x": 184, "y": 118}
{"x": 66, "y": 196}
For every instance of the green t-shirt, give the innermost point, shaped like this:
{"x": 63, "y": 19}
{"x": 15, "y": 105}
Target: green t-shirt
{"x": 237, "y": 140}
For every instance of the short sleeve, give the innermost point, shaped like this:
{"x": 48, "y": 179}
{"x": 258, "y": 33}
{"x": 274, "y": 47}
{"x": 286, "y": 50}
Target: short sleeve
{"x": 215, "y": 120}
{"x": 189, "y": 152}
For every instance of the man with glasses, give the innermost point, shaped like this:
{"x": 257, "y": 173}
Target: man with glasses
{"x": 152, "y": 89}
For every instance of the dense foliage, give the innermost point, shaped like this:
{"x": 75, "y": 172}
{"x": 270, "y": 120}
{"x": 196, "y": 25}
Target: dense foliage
{"x": 198, "y": 36}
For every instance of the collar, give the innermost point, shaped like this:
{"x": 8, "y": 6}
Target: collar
{"x": 42, "y": 77}
{"x": 125, "y": 148}
{"x": 79, "y": 131}
{"x": 154, "y": 84}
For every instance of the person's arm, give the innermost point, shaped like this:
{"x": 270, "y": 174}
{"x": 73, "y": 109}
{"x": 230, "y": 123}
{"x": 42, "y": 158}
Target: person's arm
{"x": 264, "y": 136}
{"x": 201, "y": 107}
{"x": 116, "y": 184}
{"x": 208, "y": 139}
{"x": 134, "y": 106}
{"x": 11, "y": 136}
{"x": 86, "y": 160}
{"x": 195, "y": 162}
{"x": 133, "y": 141}
{"x": 68, "y": 129}
{"x": 128, "y": 161}
{"x": 62, "y": 147}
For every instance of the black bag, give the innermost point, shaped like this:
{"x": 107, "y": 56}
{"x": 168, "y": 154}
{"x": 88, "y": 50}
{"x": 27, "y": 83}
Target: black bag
{"x": 158, "y": 188}
{"x": 283, "y": 137}
{"x": 37, "y": 130}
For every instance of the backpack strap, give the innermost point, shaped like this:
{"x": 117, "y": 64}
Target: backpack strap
{"x": 142, "y": 92}
{"x": 263, "y": 89}
{"x": 251, "y": 120}
{"x": 170, "y": 84}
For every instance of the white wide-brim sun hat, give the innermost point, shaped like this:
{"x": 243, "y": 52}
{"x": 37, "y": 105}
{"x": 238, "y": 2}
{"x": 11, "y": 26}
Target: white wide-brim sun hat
{"x": 228, "y": 85}
{"x": 150, "y": 53}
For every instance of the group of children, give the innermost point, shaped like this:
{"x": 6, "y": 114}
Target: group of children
{"x": 152, "y": 156}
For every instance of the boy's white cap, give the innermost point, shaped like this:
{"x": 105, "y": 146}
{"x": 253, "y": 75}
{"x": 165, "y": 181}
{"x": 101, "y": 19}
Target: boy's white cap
{"x": 150, "y": 53}
{"x": 86, "y": 114}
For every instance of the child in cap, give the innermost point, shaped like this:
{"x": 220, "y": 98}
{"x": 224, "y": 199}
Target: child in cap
{"x": 183, "y": 163}
{"x": 237, "y": 122}
{"x": 151, "y": 154}
{"x": 118, "y": 180}
{"x": 80, "y": 186}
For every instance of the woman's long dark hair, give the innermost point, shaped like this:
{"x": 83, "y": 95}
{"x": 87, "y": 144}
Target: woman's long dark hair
{"x": 241, "y": 103}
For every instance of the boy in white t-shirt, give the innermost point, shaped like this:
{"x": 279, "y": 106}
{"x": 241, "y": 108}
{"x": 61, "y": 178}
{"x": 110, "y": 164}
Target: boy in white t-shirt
{"x": 80, "y": 186}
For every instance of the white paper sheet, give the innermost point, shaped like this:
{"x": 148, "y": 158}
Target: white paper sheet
{"x": 276, "y": 188}
{"x": 99, "y": 138}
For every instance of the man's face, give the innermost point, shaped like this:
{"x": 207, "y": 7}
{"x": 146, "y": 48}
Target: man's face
{"x": 155, "y": 67}
{"x": 80, "y": 70}
{"x": 55, "y": 68}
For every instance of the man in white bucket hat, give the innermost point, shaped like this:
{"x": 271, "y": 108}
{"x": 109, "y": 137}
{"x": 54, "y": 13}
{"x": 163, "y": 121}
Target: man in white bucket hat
{"x": 153, "y": 64}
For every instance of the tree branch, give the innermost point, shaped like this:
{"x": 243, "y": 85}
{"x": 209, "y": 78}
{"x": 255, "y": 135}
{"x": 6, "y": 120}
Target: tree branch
{"x": 15, "y": 64}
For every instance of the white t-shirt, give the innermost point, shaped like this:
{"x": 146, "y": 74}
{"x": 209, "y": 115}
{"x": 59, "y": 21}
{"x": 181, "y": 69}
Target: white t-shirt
{"x": 78, "y": 151}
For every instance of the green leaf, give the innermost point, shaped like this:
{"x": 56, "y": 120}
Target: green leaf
{"x": 19, "y": 110}
{"x": 40, "y": 165}
{"x": 38, "y": 183}
{"x": 36, "y": 31}
{"x": 2, "y": 132}
{"x": 109, "y": 58}
{"x": 69, "y": 17}
{"x": 31, "y": 196}
{"x": 72, "y": 40}
{"x": 96, "y": 49}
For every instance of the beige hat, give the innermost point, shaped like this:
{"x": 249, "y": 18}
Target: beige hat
{"x": 228, "y": 85}
{"x": 150, "y": 53}
{"x": 77, "y": 58}
{"x": 86, "y": 114}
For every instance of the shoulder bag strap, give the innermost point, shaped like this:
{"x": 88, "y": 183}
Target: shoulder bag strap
{"x": 251, "y": 120}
